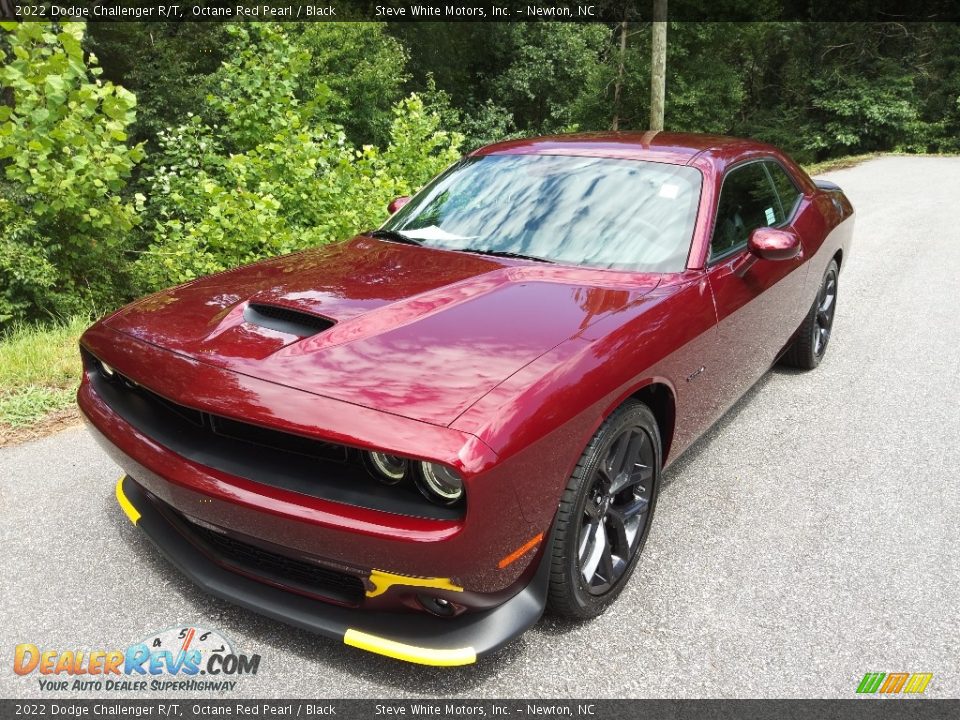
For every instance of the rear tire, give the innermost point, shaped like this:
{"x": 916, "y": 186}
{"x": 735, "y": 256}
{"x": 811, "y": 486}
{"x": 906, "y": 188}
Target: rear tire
{"x": 811, "y": 344}
{"x": 605, "y": 514}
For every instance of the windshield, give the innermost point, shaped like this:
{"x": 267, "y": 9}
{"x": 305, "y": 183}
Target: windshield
{"x": 598, "y": 212}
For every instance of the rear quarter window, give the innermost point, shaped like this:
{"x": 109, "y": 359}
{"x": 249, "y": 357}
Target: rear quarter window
{"x": 786, "y": 189}
{"x": 747, "y": 201}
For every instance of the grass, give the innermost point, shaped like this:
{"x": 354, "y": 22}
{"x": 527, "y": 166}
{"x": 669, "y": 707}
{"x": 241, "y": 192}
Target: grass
{"x": 840, "y": 163}
{"x": 849, "y": 161}
{"x": 39, "y": 371}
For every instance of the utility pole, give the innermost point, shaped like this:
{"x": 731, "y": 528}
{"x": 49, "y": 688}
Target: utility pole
{"x": 618, "y": 85}
{"x": 658, "y": 64}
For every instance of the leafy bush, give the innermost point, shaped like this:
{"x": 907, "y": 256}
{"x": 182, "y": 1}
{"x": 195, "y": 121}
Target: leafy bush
{"x": 63, "y": 162}
{"x": 293, "y": 180}
{"x": 858, "y": 115}
{"x": 266, "y": 138}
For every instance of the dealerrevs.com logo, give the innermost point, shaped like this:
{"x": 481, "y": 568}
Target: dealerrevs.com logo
{"x": 178, "y": 659}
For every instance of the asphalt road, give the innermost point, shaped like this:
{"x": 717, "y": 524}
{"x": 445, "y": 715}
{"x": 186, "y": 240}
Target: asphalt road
{"x": 812, "y": 536}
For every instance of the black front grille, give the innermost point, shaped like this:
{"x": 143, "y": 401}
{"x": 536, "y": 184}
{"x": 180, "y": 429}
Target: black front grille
{"x": 226, "y": 427}
{"x": 286, "y": 320}
{"x": 296, "y": 463}
{"x": 287, "y": 571}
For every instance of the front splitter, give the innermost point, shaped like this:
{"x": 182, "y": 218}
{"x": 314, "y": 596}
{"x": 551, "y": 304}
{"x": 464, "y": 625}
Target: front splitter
{"x": 412, "y": 637}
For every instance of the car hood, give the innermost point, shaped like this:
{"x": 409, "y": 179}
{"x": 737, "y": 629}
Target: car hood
{"x": 418, "y": 332}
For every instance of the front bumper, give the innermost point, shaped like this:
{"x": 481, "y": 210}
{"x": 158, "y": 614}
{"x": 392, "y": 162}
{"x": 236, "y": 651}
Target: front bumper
{"x": 413, "y": 637}
{"x": 343, "y": 536}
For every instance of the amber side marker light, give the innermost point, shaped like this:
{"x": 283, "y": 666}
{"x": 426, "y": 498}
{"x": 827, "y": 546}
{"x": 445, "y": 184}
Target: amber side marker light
{"x": 520, "y": 551}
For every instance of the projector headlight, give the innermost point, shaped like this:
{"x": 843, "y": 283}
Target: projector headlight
{"x": 439, "y": 483}
{"x": 388, "y": 469}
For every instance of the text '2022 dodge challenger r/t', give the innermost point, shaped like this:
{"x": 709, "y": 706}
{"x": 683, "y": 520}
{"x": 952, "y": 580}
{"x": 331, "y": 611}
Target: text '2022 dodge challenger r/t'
{"x": 417, "y": 440}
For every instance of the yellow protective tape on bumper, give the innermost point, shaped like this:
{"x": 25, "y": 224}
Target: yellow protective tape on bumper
{"x": 410, "y": 653}
{"x": 127, "y": 506}
{"x": 383, "y": 581}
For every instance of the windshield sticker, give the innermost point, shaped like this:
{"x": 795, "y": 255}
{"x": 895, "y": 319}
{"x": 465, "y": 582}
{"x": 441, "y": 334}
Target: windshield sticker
{"x": 770, "y": 216}
{"x": 669, "y": 191}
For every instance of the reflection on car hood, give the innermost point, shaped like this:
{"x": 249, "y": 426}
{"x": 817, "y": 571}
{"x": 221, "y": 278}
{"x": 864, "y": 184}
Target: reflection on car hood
{"x": 417, "y": 332}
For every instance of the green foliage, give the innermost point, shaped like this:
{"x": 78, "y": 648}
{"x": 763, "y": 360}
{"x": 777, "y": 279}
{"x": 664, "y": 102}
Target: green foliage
{"x": 267, "y": 138}
{"x": 552, "y": 65}
{"x": 348, "y": 74}
{"x": 303, "y": 187}
{"x": 64, "y": 162}
{"x": 359, "y": 71}
{"x": 818, "y": 90}
{"x": 254, "y": 93}
{"x": 277, "y": 175}
{"x": 860, "y": 116}
{"x": 702, "y": 95}
{"x": 27, "y": 406}
{"x": 166, "y": 64}
{"x": 39, "y": 369}
{"x": 504, "y": 79}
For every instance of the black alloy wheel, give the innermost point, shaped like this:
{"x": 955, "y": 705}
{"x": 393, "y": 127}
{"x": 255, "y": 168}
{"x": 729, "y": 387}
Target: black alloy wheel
{"x": 605, "y": 514}
{"x": 826, "y": 307}
{"x": 814, "y": 333}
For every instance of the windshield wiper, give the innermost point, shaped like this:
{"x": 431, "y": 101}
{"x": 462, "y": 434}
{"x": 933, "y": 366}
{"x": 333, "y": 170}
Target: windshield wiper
{"x": 504, "y": 253}
{"x": 394, "y": 235}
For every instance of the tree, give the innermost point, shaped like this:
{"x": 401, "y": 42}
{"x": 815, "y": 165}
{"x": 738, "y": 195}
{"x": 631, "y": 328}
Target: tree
{"x": 658, "y": 64}
{"x": 166, "y": 64}
{"x": 275, "y": 174}
{"x": 509, "y": 79}
{"x": 621, "y": 69}
{"x": 361, "y": 70}
{"x": 64, "y": 161}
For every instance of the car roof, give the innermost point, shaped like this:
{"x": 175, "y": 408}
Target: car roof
{"x": 668, "y": 147}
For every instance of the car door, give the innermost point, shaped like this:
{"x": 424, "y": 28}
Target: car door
{"x": 752, "y": 296}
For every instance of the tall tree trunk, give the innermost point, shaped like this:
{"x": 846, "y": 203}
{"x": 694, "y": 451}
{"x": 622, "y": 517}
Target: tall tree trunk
{"x": 618, "y": 85}
{"x": 658, "y": 64}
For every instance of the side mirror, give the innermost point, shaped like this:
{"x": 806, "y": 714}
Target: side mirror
{"x": 397, "y": 203}
{"x": 772, "y": 244}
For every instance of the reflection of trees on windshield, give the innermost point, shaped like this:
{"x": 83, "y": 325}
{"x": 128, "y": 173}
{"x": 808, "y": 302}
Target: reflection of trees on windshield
{"x": 593, "y": 211}
{"x": 431, "y": 215}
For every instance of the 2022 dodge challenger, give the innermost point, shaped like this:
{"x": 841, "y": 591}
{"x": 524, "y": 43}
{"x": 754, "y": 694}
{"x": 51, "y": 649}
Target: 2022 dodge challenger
{"x": 416, "y": 440}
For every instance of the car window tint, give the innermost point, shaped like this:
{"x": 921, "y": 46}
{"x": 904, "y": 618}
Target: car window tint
{"x": 747, "y": 201}
{"x": 786, "y": 190}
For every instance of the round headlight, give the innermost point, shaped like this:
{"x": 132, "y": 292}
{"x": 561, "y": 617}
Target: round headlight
{"x": 389, "y": 469}
{"x": 439, "y": 483}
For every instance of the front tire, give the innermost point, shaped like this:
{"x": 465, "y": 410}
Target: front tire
{"x": 605, "y": 514}
{"x": 811, "y": 344}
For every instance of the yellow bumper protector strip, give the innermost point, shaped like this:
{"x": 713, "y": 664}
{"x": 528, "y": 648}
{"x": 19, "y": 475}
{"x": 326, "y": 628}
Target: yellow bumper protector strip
{"x": 127, "y": 506}
{"x": 383, "y": 581}
{"x": 410, "y": 653}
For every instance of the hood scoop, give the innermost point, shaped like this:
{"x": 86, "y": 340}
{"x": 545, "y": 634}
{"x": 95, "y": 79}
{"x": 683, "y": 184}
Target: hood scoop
{"x": 286, "y": 320}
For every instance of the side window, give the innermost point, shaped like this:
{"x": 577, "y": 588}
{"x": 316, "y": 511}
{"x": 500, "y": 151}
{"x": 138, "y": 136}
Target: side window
{"x": 747, "y": 201}
{"x": 786, "y": 190}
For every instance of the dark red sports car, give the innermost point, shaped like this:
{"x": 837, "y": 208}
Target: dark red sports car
{"x": 416, "y": 440}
